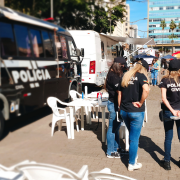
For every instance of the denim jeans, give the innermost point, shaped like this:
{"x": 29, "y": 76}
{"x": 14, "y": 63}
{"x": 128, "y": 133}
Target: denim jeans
{"x": 154, "y": 77}
{"x": 113, "y": 130}
{"x": 134, "y": 122}
{"x": 168, "y": 127}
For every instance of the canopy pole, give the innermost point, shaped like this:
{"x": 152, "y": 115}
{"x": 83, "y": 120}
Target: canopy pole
{"x": 139, "y": 48}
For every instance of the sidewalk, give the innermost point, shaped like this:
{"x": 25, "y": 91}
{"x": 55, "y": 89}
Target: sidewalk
{"x": 34, "y": 142}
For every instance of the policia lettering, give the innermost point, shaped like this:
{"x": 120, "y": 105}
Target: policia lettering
{"x": 25, "y": 76}
{"x": 174, "y": 87}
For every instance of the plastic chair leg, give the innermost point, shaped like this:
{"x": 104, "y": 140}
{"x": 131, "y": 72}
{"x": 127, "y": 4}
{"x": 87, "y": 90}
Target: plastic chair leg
{"x": 89, "y": 115}
{"x": 77, "y": 126}
{"x": 93, "y": 112}
{"x": 52, "y": 127}
{"x": 86, "y": 111}
{"x": 68, "y": 127}
{"x": 96, "y": 112}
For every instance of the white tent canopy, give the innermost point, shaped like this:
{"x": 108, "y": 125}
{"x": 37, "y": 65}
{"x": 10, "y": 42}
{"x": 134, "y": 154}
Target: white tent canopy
{"x": 139, "y": 41}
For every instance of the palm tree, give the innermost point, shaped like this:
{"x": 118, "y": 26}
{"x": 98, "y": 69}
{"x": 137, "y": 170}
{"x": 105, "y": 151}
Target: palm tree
{"x": 172, "y": 36}
{"x": 163, "y": 25}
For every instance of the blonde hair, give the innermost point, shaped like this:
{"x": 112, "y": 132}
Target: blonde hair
{"x": 128, "y": 75}
{"x": 172, "y": 74}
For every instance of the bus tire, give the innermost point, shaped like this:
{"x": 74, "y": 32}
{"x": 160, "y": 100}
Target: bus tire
{"x": 1, "y": 125}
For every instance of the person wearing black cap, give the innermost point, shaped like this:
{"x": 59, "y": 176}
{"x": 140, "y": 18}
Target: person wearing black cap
{"x": 133, "y": 91}
{"x": 170, "y": 92}
{"x": 112, "y": 85}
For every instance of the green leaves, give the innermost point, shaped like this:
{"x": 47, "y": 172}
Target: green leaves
{"x": 172, "y": 25}
{"x": 163, "y": 24}
{"x": 73, "y": 14}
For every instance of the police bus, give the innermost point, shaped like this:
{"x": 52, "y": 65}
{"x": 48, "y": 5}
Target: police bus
{"x": 37, "y": 60}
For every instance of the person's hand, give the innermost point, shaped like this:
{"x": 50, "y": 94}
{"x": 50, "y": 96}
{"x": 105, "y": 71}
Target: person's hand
{"x": 137, "y": 104}
{"x": 176, "y": 113}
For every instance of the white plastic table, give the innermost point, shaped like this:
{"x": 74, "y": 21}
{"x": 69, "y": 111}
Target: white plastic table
{"x": 102, "y": 106}
{"x": 77, "y": 102}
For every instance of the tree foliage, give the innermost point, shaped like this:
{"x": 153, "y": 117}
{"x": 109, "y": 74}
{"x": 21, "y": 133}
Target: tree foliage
{"x": 172, "y": 25}
{"x": 73, "y": 14}
{"x": 163, "y": 24}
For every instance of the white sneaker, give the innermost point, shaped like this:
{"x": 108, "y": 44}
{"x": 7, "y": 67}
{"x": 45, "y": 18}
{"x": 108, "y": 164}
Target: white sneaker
{"x": 135, "y": 166}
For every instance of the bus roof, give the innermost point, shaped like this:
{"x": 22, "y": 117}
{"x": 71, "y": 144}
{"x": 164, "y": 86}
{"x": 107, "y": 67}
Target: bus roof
{"x": 21, "y": 17}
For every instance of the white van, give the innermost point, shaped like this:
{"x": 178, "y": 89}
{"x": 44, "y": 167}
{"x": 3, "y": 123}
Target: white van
{"x": 100, "y": 52}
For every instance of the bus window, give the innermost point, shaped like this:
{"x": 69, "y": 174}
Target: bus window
{"x": 23, "y": 41}
{"x": 102, "y": 50}
{"x": 48, "y": 47}
{"x": 72, "y": 49}
{"x": 7, "y": 42}
{"x": 59, "y": 48}
{"x": 37, "y": 43}
{"x": 64, "y": 47}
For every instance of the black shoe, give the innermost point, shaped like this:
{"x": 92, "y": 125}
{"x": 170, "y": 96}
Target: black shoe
{"x": 122, "y": 151}
{"x": 114, "y": 155}
{"x": 166, "y": 164}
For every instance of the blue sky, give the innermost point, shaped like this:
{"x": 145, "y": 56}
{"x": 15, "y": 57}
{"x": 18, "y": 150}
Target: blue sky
{"x": 138, "y": 10}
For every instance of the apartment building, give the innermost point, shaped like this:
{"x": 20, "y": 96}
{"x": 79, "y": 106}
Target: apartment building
{"x": 163, "y": 10}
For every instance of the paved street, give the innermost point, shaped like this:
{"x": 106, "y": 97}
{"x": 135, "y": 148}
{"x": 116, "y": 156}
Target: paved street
{"x": 30, "y": 139}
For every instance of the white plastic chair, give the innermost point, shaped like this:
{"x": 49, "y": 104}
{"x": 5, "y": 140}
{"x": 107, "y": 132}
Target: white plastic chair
{"x": 106, "y": 174}
{"x": 40, "y": 171}
{"x": 52, "y": 102}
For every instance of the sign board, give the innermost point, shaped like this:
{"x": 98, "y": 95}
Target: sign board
{"x": 148, "y": 51}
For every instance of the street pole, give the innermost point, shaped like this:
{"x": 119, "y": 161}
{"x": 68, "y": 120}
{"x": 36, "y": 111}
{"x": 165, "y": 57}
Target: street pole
{"x": 52, "y": 8}
{"x": 1, "y": 2}
{"x": 110, "y": 23}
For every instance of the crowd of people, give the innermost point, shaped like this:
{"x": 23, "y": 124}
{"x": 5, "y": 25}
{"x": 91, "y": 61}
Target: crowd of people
{"x": 128, "y": 89}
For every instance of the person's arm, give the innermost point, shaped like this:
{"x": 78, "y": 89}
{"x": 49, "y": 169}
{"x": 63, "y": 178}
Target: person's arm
{"x": 166, "y": 102}
{"x": 119, "y": 97}
{"x": 145, "y": 93}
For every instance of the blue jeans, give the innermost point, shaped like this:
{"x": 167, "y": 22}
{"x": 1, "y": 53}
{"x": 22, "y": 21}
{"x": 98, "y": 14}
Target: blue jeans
{"x": 154, "y": 77}
{"x": 134, "y": 122}
{"x": 168, "y": 127}
{"x": 113, "y": 130}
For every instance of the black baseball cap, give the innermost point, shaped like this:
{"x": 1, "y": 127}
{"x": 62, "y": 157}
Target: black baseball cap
{"x": 144, "y": 63}
{"x": 120, "y": 60}
{"x": 174, "y": 65}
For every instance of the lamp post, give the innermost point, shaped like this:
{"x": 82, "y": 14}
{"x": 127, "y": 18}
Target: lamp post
{"x": 110, "y": 9}
{"x": 51, "y": 8}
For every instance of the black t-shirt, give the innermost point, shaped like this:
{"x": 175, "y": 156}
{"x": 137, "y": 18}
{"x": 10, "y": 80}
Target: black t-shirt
{"x": 133, "y": 93}
{"x": 112, "y": 85}
{"x": 173, "y": 92}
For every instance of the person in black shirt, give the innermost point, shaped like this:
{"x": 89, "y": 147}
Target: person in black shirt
{"x": 170, "y": 92}
{"x": 133, "y": 91}
{"x": 112, "y": 85}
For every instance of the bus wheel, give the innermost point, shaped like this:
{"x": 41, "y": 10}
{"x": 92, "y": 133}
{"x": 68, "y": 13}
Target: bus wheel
{"x": 1, "y": 125}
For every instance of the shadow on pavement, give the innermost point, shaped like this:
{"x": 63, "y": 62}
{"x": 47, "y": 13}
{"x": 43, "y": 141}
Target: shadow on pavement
{"x": 19, "y": 122}
{"x": 150, "y": 147}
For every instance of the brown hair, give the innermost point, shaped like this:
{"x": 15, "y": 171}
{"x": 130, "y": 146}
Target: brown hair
{"x": 117, "y": 68}
{"x": 128, "y": 75}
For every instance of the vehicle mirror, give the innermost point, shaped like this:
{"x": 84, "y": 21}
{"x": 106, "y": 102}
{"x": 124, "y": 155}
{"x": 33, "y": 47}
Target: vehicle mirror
{"x": 78, "y": 52}
{"x": 82, "y": 52}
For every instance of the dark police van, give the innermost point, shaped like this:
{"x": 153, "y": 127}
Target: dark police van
{"x": 37, "y": 60}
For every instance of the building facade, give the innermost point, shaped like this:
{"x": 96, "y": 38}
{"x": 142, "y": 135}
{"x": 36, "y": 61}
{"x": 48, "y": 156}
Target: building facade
{"x": 123, "y": 29}
{"x": 163, "y": 10}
